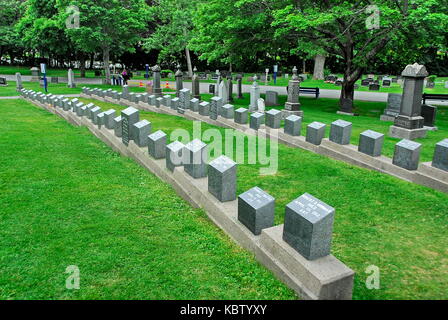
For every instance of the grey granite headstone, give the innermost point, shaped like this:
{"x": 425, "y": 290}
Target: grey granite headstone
{"x": 273, "y": 118}
{"x": 241, "y": 115}
{"x": 256, "y": 120}
{"x": 19, "y": 85}
{"x": 129, "y": 117}
{"x": 308, "y": 226}
{"x": 100, "y": 119}
{"x": 195, "y": 156}
{"x": 118, "y": 129}
{"x": 167, "y": 101}
{"x": 393, "y": 107}
{"x": 194, "y": 104}
{"x": 157, "y": 144}
{"x": 215, "y": 107}
{"x": 84, "y": 110}
{"x": 256, "y": 210}
{"x": 429, "y": 115}
{"x": 174, "y": 155}
{"x": 141, "y": 130}
{"x": 159, "y": 102}
{"x": 184, "y": 100}
{"x": 407, "y": 154}
{"x": 271, "y": 98}
{"x": 228, "y": 111}
{"x": 440, "y": 159}
{"x": 125, "y": 92}
{"x": 152, "y": 100}
{"x": 95, "y": 112}
{"x": 109, "y": 117}
{"x": 293, "y": 125}
{"x": 371, "y": 143}
{"x": 340, "y": 132}
{"x": 222, "y": 179}
{"x": 315, "y": 132}
{"x": 175, "y": 103}
{"x": 204, "y": 108}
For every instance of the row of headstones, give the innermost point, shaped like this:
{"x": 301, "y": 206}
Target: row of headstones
{"x": 406, "y": 155}
{"x": 308, "y": 221}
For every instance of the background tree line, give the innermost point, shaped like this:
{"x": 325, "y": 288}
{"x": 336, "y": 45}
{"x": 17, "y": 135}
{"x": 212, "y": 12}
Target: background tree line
{"x": 236, "y": 35}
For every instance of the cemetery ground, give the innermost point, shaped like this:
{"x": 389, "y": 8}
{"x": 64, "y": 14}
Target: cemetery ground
{"x": 380, "y": 220}
{"x": 67, "y": 199}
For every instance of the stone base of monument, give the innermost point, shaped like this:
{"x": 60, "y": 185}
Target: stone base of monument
{"x": 347, "y": 113}
{"x": 287, "y": 113}
{"x": 427, "y": 169}
{"x": 410, "y": 134}
{"x": 430, "y": 128}
{"x": 385, "y": 117}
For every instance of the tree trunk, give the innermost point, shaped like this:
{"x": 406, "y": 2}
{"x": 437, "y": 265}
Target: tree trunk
{"x": 304, "y": 66}
{"x": 190, "y": 69}
{"x": 319, "y": 65}
{"x": 106, "y": 56}
{"x": 82, "y": 66}
{"x": 347, "y": 96}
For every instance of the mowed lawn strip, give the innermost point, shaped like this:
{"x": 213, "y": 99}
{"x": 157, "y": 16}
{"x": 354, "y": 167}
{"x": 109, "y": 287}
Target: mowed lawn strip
{"x": 380, "y": 220}
{"x": 68, "y": 199}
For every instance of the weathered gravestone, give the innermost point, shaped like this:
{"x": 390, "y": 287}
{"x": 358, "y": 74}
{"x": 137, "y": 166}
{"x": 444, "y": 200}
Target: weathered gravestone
{"x": 315, "y": 133}
{"x": 273, "y": 118}
{"x": 271, "y": 98}
{"x": 157, "y": 90}
{"x": 71, "y": 79}
{"x": 109, "y": 117}
{"x": 293, "y": 125}
{"x": 129, "y": 117}
{"x": 239, "y": 81}
{"x": 256, "y": 210}
{"x": 429, "y": 115}
{"x": 292, "y": 106}
{"x": 215, "y": 107}
{"x": 256, "y": 120}
{"x": 407, "y": 154}
{"x": 393, "y": 107}
{"x": 374, "y": 87}
{"x": 409, "y": 123}
{"x": 440, "y": 159}
{"x": 184, "y": 100}
{"x": 179, "y": 84}
{"x": 175, "y": 103}
{"x": 228, "y": 111}
{"x": 241, "y": 115}
{"x": 254, "y": 95}
{"x": 3, "y": 82}
{"x": 340, "y": 132}
{"x": 195, "y": 157}
{"x": 194, "y": 104}
{"x": 195, "y": 86}
{"x": 204, "y": 108}
{"x": 261, "y": 106}
{"x": 140, "y": 132}
{"x": 222, "y": 179}
{"x": 157, "y": 144}
{"x": 365, "y": 82}
{"x": 308, "y": 226}
{"x": 174, "y": 156}
{"x": 118, "y": 128}
{"x": 19, "y": 85}
{"x": 100, "y": 119}
{"x": 371, "y": 143}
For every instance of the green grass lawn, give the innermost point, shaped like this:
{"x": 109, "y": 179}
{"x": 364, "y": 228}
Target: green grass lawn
{"x": 380, "y": 220}
{"x": 68, "y": 199}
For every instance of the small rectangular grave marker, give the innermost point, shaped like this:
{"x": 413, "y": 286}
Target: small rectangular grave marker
{"x": 241, "y": 115}
{"x": 222, "y": 179}
{"x": 256, "y": 210}
{"x": 256, "y": 120}
{"x": 309, "y": 226}
{"x": 228, "y": 111}
{"x": 204, "y": 108}
{"x": 157, "y": 144}
{"x": 371, "y": 143}
{"x": 129, "y": 117}
{"x": 440, "y": 159}
{"x": 118, "y": 130}
{"x": 141, "y": 130}
{"x": 174, "y": 157}
{"x": 407, "y": 154}
{"x": 195, "y": 155}
{"x": 273, "y": 118}
{"x": 109, "y": 116}
{"x": 315, "y": 132}
{"x": 293, "y": 125}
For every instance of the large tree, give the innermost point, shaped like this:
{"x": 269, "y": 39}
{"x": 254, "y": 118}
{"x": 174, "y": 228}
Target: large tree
{"x": 358, "y": 32}
{"x": 173, "y": 23}
{"x": 107, "y": 26}
{"x": 11, "y": 11}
